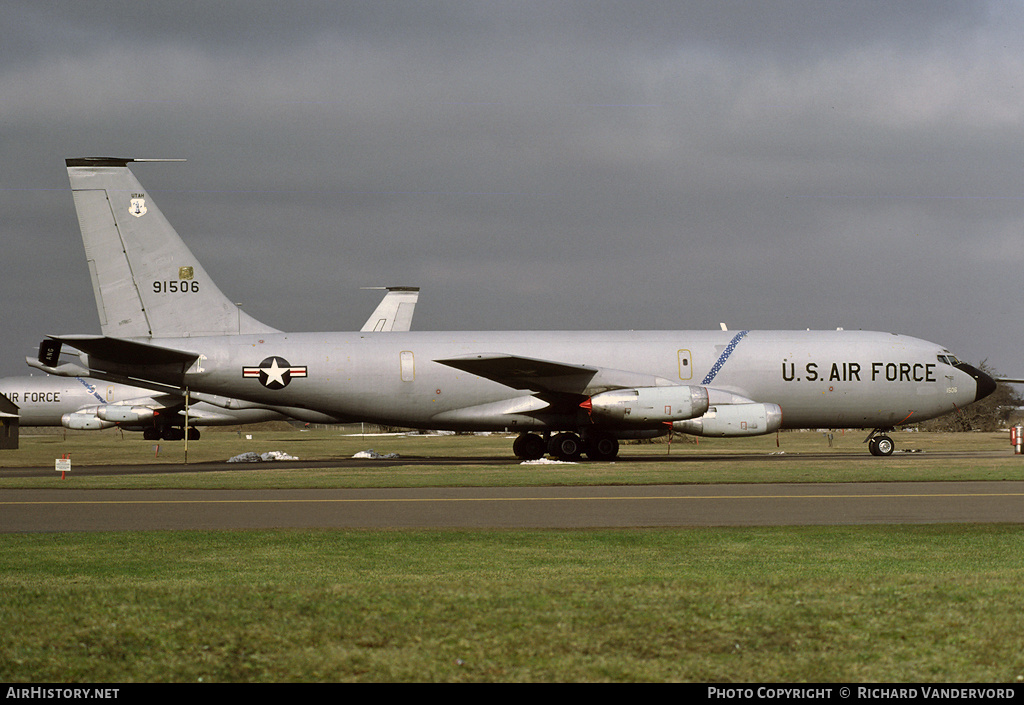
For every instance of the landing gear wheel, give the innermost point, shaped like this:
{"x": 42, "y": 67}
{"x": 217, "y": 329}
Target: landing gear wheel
{"x": 601, "y": 447}
{"x": 193, "y": 434}
{"x": 529, "y": 446}
{"x": 566, "y": 446}
{"x": 881, "y": 446}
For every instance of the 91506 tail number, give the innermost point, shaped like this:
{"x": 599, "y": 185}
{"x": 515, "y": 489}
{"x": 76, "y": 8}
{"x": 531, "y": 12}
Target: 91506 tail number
{"x": 175, "y": 287}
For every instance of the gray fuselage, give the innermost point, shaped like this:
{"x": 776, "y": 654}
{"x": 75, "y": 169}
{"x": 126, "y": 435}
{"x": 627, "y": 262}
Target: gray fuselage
{"x": 820, "y": 379}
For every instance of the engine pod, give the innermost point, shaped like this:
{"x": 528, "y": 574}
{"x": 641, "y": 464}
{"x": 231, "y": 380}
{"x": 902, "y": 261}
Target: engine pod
{"x": 646, "y": 406}
{"x": 730, "y": 420}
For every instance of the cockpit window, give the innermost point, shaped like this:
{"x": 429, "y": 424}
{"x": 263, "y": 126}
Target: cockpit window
{"x": 949, "y": 360}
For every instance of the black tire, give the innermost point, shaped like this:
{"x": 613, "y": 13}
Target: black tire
{"x": 171, "y": 433}
{"x": 884, "y": 446}
{"x": 529, "y": 446}
{"x": 566, "y": 446}
{"x": 601, "y": 447}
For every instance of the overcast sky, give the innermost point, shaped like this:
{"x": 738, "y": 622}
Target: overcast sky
{"x": 536, "y": 165}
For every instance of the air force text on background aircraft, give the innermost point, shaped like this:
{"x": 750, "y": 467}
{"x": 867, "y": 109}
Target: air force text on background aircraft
{"x": 861, "y": 693}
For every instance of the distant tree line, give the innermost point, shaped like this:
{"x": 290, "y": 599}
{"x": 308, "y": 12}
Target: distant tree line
{"x": 993, "y": 413}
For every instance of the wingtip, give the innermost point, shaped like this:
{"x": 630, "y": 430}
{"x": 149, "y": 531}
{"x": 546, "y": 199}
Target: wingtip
{"x": 111, "y": 161}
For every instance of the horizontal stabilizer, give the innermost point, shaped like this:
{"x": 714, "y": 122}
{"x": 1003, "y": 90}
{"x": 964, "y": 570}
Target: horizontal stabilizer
{"x": 118, "y": 360}
{"x": 122, "y": 351}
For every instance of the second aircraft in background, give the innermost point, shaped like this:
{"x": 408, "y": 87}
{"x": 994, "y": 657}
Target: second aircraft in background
{"x": 85, "y": 404}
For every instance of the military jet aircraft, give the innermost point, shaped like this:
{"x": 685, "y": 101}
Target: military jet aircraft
{"x": 565, "y": 393}
{"x": 84, "y": 404}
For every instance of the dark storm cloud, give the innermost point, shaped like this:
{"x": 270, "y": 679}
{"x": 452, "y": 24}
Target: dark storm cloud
{"x": 537, "y": 165}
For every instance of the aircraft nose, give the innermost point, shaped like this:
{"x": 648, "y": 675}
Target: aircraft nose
{"x": 986, "y": 385}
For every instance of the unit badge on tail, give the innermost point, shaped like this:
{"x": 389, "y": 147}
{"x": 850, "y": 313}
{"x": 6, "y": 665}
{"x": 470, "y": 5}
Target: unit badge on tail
{"x": 137, "y": 205}
{"x": 274, "y": 372}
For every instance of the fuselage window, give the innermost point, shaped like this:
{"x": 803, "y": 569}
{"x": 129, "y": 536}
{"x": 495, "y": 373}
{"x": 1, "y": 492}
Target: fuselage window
{"x": 685, "y": 365}
{"x": 408, "y": 366}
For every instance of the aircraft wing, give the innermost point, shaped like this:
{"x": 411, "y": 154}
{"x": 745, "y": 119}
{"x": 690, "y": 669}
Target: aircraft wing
{"x": 157, "y": 402}
{"x": 5, "y": 414}
{"x": 549, "y": 376}
{"x": 394, "y": 312}
{"x": 523, "y": 372}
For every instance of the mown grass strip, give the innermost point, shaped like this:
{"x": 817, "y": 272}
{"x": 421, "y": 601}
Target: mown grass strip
{"x": 485, "y": 461}
{"x": 797, "y": 604}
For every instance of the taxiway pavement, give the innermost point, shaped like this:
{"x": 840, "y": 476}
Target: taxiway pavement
{"x": 44, "y": 510}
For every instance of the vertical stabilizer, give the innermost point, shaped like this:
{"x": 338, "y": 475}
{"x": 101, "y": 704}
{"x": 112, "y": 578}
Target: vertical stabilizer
{"x": 395, "y": 311}
{"x": 146, "y": 281}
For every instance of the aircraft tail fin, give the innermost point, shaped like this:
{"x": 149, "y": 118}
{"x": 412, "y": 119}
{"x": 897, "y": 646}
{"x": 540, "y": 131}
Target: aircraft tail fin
{"x": 146, "y": 281}
{"x": 394, "y": 312}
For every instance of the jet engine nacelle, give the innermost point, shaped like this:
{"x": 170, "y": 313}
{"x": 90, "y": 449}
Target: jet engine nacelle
{"x": 84, "y": 422}
{"x": 734, "y": 420}
{"x": 118, "y": 413}
{"x": 644, "y": 406}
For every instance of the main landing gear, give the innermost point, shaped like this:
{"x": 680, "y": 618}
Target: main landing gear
{"x": 169, "y": 433}
{"x": 566, "y": 446}
{"x": 879, "y": 443}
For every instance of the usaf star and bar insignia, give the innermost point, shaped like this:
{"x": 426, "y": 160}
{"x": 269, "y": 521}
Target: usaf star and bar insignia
{"x": 274, "y": 372}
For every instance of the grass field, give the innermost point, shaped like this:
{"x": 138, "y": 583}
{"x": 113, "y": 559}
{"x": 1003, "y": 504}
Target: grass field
{"x": 485, "y": 460}
{"x": 935, "y": 603}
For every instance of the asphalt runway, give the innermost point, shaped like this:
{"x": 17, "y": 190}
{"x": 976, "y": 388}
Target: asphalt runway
{"x": 48, "y": 510}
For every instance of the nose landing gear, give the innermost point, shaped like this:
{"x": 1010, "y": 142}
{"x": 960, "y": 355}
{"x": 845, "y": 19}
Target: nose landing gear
{"x": 879, "y": 443}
